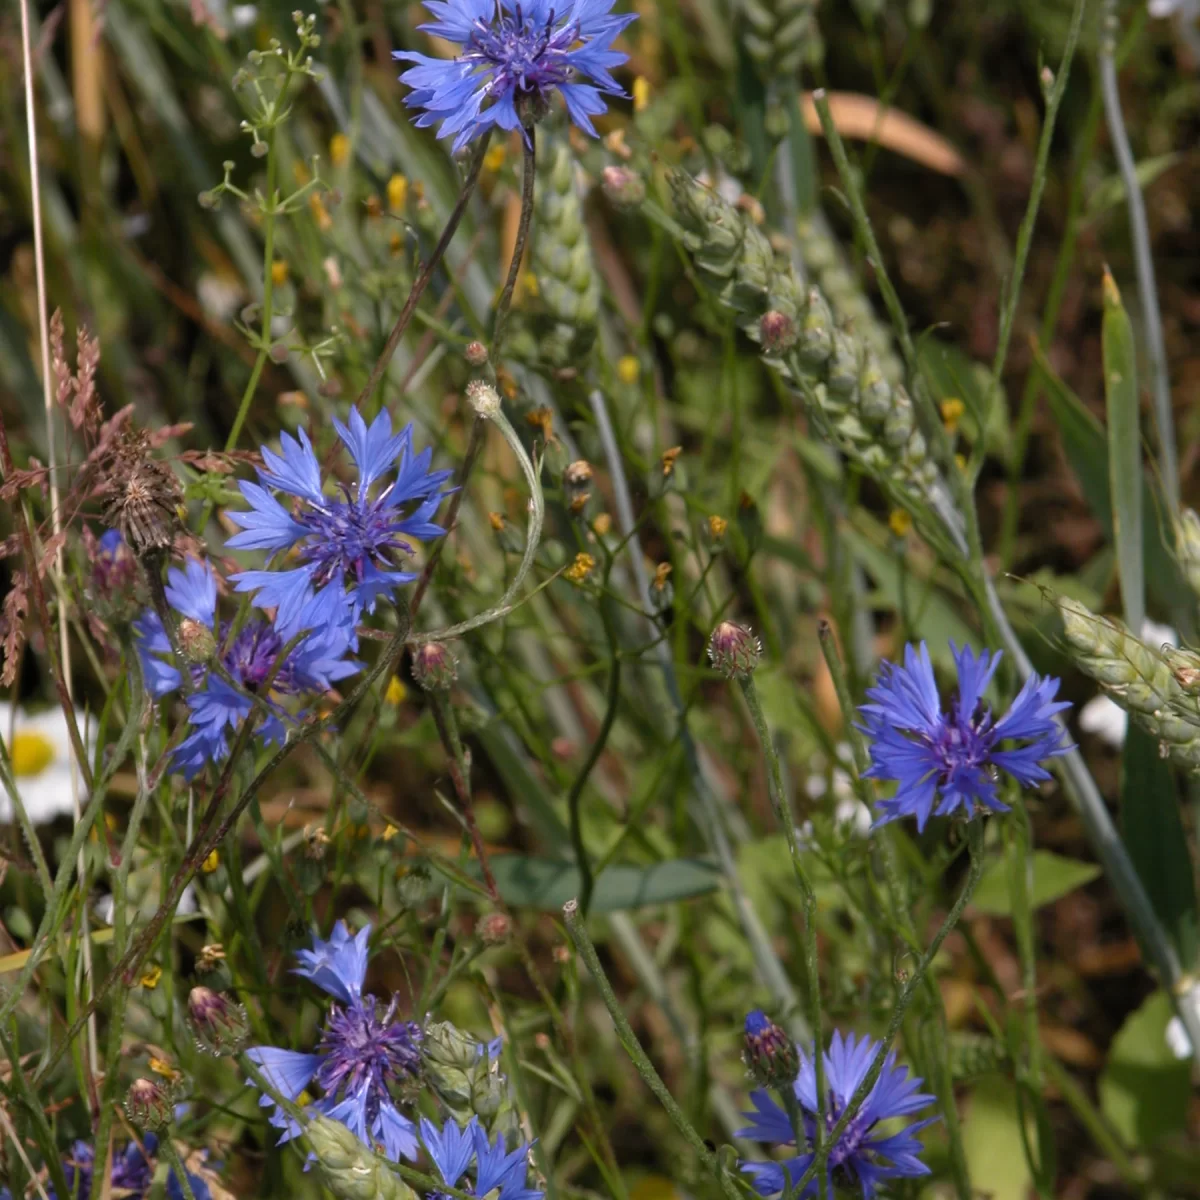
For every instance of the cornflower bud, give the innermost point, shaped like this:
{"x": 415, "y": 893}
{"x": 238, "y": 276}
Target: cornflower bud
{"x": 770, "y": 1055}
{"x": 434, "y": 667}
{"x": 219, "y": 1023}
{"x": 494, "y": 928}
{"x": 624, "y": 188}
{"x": 150, "y": 1105}
{"x": 733, "y": 649}
{"x": 476, "y": 354}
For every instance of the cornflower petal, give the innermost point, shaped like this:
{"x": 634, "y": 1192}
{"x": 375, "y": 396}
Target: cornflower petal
{"x": 337, "y": 966}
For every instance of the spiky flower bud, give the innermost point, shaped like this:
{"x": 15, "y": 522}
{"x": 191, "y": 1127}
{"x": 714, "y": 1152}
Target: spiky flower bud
{"x": 219, "y": 1023}
{"x": 434, "y": 667}
{"x": 770, "y": 1054}
{"x": 624, "y": 188}
{"x": 777, "y": 332}
{"x": 733, "y": 649}
{"x": 196, "y": 641}
{"x": 476, "y": 354}
{"x": 494, "y": 928}
{"x": 415, "y": 887}
{"x": 350, "y": 1170}
{"x": 149, "y": 1104}
{"x": 483, "y": 397}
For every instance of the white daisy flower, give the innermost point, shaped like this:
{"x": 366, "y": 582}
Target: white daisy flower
{"x": 39, "y": 748}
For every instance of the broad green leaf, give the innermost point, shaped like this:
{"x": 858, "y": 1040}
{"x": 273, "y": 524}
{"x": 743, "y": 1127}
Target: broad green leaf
{"x": 1152, "y": 830}
{"x": 1124, "y": 452}
{"x": 1053, "y": 877}
{"x": 992, "y": 1141}
{"x": 547, "y": 884}
{"x": 1086, "y": 448}
{"x": 1145, "y": 1089}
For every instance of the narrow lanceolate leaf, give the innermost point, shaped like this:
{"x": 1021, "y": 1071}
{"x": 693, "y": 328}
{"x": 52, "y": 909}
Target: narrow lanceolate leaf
{"x": 1124, "y": 451}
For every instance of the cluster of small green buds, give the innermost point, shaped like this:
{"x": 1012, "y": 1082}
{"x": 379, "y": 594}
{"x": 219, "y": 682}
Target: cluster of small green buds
{"x": 823, "y": 258}
{"x": 434, "y": 667}
{"x": 779, "y": 34}
{"x": 1157, "y": 689}
{"x": 150, "y": 1104}
{"x": 1187, "y": 547}
{"x": 219, "y": 1023}
{"x": 561, "y": 259}
{"x": 839, "y": 376}
{"x": 733, "y": 650}
{"x": 465, "y": 1075}
{"x": 770, "y": 1054}
{"x": 350, "y": 1170}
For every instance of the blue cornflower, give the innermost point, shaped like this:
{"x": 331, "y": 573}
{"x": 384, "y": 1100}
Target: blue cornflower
{"x": 131, "y": 1173}
{"x": 363, "y": 1053}
{"x": 860, "y": 1155}
{"x": 248, "y": 656}
{"x": 496, "y": 1167}
{"x": 955, "y": 754}
{"x": 352, "y": 538}
{"x": 515, "y": 54}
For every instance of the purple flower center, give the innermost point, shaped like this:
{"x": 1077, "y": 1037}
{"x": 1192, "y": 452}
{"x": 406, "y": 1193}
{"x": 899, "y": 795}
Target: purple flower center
{"x": 522, "y": 55}
{"x": 957, "y": 746}
{"x": 850, "y": 1144}
{"x": 366, "y": 1050}
{"x": 348, "y": 534}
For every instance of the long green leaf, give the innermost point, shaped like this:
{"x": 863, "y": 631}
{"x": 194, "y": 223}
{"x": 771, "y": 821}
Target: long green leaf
{"x": 1152, "y": 830}
{"x": 1124, "y": 451}
{"x": 1086, "y": 450}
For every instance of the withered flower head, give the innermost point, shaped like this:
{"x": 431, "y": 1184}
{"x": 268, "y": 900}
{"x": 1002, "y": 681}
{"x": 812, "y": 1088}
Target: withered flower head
{"x": 144, "y": 496}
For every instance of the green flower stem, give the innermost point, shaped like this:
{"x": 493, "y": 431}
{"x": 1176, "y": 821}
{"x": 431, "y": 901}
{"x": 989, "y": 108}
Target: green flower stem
{"x": 575, "y": 795}
{"x": 975, "y": 845}
{"x": 528, "y": 175}
{"x": 808, "y": 897}
{"x": 166, "y": 1149}
{"x": 1143, "y": 258}
{"x": 638, "y": 1056}
{"x": 533, "y": 537}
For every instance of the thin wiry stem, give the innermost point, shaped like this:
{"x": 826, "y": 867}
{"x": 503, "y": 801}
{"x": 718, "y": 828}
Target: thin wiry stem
{"x": 528, "y": 175}
{"x": 39, "y": 256}
{"x": 1143, "y": 259}
{"x": 426, "y": 273}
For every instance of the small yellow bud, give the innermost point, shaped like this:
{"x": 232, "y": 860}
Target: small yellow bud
{"x": 628, "y": 369}
{"x": 602, "y": 524}
{"x": 497, "y": 522}
{"x": 279, "y": 272}
{"x": 581, "y": 568}
{"x": 396, "y": 692}
{"x": 493, "y": 160}
{"x": 161, "y": 1067}
{"x": 716, "y": 527}
{"x": 641, "y": 93}
{"x": 300, "y": 173}
{"x": 320, "y": 213}
{"x": 211, "y": 863}
{"x": 397, "y": 192}
{"x": 661, "y": 574}
{"x": 530, "y": 283}
{"x": 151, "y": 977}
{"x": 952, "y": 412}
{"x": 899, "y": 522}
{"x": 960, "y": 462}
{"x": 668, "y": 460}
{"x": 389, "y": 832}
{"x": 339, "y": 149}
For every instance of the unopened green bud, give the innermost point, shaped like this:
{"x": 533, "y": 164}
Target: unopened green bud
{"x": 351, "y": 1171}
{"x": 874, "y": 393}
{"x": 770, "y": 1054}
{"x": 434, "y": 667}
{"x": 150, "y": 1105}
{"x": 219, "y": 1023}
{"x": 777, "y": 332}
{"x": 624, "y": 189}
{"x": 816, "y": 330}
{"x": 734, "y": 650}
{"x": 196, "y": 641}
